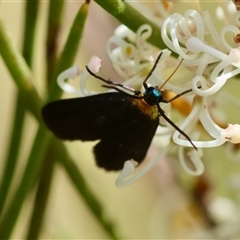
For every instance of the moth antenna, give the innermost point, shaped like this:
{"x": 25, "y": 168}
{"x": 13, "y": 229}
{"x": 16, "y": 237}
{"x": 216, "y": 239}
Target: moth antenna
{"x": 108, "y": 81}
{"x": 153, "y": 68}
{"x": 136, "y": 96}
{"x": 179, "y": 64}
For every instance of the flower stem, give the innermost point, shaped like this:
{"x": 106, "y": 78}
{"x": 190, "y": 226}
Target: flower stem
{"x": 29, "y": 178}
{"x": 54, "y": 23}
{"x": 13, "y": 151}
{"x": 42, "y": 194}
{"x": 31, "y": 16}
{"x": 20, "y": 72}
{"x": 43, "y": 189}
{"x": 70, "y": 50}
{"x": 21, "y": 75}
{"x": 133, "y": 19}
{"x": 19, "y": 114}
{"x": 83, "y": 189}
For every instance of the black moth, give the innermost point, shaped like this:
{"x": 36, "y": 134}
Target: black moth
{"x": 124, "y": 123}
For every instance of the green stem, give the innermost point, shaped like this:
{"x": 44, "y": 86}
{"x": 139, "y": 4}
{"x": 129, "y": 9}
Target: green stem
{"x": 19, "y": 115}
{"x": 21, "y": 75}
{"x": 31, "y": 172}
{"x": 32, "y": 7}
{"x": 83, "y": 189}
{"x": 42, "y": 194}
{"x": 13, "y": 151}
{"x": 70, "y": 50}
{"x": 19, "y": 71}
{"x": 54, "y": 23}
{"x": 133, "y": 19}
{"x": 41, "y": 197}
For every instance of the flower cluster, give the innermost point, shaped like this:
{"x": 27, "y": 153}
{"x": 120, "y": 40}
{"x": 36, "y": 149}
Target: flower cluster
{"x": 207, "y": 68}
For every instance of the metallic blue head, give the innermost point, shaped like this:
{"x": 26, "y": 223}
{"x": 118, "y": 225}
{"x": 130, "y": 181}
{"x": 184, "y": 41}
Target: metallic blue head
{"x": 153, "y": 96}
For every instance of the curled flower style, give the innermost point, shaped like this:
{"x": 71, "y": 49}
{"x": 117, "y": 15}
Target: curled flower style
{"x": 72, "y": 72}
{"x": 212, "y": 64}
{"x": 131, "y": 55}
{"x": 69, "y": 73}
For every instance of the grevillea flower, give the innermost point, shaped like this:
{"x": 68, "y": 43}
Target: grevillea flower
{"x": 207, "y": 61}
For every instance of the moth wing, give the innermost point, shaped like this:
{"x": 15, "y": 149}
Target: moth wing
{"x": 130, "y": 140}
{"x": 86, "y": 118}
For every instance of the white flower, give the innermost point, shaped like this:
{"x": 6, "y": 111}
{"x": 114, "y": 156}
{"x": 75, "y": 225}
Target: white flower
{"x": 209, "y": 59}
{"x": 132, "y": 59}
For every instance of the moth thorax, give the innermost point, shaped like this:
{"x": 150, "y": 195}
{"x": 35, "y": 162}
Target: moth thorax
{"x": 145, "y": 108}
